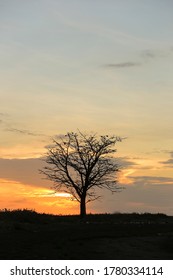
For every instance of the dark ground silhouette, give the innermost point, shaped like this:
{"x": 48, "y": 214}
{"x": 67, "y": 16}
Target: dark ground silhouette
{"x": 25, "y": 234}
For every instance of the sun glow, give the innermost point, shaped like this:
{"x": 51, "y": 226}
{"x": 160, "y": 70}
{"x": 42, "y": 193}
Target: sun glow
{"x": 43, "y": 192}
{"x": 123, "y": 177}
{"x": 15, "y": 195}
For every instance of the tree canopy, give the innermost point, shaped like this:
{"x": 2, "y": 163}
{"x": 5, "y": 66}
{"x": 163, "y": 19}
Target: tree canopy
{"x": 81, "y": 163}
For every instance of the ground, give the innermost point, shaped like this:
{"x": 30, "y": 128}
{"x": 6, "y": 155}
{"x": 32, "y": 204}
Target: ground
{"x": 28, "y": 235}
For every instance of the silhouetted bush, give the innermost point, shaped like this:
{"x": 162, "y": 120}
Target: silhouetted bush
{"x": 22, "y": 215}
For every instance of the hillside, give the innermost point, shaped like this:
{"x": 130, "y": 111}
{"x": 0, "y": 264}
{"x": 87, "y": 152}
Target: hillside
{"x": 25, "y": 234}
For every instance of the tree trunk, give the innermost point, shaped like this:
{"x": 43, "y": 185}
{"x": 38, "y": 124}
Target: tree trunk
{"x": 83, "y": 207}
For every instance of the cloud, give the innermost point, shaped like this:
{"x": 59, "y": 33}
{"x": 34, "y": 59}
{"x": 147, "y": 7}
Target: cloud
{"x": 122, "y": 65}
{"x": 169, "y": 162}
{"x": 24, "y": 132}
{"x": 155, "y": 53}
{"x": 148, "y": 54}
{"x": 143, "y": 194}
{"x": 149, "y": 181}
{"x": 3, "y": 114}
{"x": 145, "y": 56}
{"x": 7, "y": 122}
{"x": 125, "y": 162}
{"x": 25, "y": 171}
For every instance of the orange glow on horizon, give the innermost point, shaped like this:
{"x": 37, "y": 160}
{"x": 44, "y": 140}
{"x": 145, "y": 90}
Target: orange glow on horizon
{"x": 14, "y": 195}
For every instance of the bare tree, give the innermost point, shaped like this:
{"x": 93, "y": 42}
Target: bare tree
{"x": 80, "y": 163}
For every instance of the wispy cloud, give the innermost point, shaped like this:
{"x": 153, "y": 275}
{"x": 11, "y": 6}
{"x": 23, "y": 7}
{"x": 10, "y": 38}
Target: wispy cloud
{"x": 99, "y": 29}
{"x": 169, "y": 162}
{"x": 150, "y": 181}
{"x": 144, "y": 57}
{"x": 156, "y": 53}
{"x": 125, "y": 162}
{"x": 154, "y": 179}
{"x": 122, "y": 65}
{"x": 3, "y": 116}
{"x": 7, "y": 122}
{"x": 24, "y": 132}
{"x": 148, "y": 54}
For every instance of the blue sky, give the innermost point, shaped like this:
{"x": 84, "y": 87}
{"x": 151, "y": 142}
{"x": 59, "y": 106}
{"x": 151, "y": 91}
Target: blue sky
{"x": 103, "y": 66}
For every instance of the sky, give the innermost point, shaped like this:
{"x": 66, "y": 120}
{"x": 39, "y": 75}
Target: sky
{"x": 97, "y": 66}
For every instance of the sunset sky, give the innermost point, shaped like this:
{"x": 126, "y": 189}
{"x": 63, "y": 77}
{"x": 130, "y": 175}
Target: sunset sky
{"x": 97, "y": 66}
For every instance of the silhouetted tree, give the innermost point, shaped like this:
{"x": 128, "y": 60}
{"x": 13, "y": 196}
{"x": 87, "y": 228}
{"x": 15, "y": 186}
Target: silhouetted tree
{"x": 80, "y": 163}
